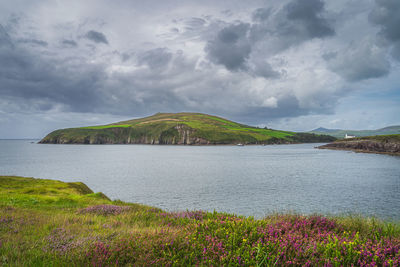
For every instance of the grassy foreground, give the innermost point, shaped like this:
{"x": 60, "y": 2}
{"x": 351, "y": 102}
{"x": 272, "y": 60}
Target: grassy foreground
{"x": 52, "y": 223}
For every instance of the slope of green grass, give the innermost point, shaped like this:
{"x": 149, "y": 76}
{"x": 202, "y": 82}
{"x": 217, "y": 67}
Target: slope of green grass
{"x": 179, "y": 128}
{"x": 107, "y": 126}
{"x": 206, "y": 122}
{"x": 27, "y": 192}
{"x": 95, "y": 231}
{"x": 392, "y": 138}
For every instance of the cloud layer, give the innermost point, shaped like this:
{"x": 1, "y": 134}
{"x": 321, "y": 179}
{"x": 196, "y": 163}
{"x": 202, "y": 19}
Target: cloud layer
{"x": 256, "y": 62}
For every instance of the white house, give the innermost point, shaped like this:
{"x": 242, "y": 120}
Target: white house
{"x": 349, "y": 136}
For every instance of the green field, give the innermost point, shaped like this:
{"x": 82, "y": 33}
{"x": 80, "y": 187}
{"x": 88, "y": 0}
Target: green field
{"x": 204, "y": 123}
{"x": 106, "y": 126}
{"x": 179, "y": 128}
{"x": 392, "y": 138}
{"x": 52, "y": 223}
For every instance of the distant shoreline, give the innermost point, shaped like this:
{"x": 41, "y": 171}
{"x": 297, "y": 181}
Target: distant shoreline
{"x": 382, "y": 144}
{"x": 359, "y": 151}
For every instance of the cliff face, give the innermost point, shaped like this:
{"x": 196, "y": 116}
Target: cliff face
{"x": 380, "y": 145}
{"x": 178, "y": 135}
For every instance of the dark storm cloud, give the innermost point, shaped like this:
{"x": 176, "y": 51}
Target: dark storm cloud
{"x": 34, "y": 78}
{"x": 259, "y": 67}
{"x": 293, "y": 24}
{"x": 96, "y": 37}
{"x": 359, "y": 62}
{"x": 5, "y": 39}
{"x": 396, "y": 51}
{"x": 156, "y": 58}
{"x": 308, "y": 14}
{"x": 231, "y": 47}
{"x": 247, "y": 47}
{"x": 32, "y": 41}
{"x": 386, "y": 15}
{"x": 368, "y": 58}
{"x": 261, "y": 14}
{"x": 70, "y": 43}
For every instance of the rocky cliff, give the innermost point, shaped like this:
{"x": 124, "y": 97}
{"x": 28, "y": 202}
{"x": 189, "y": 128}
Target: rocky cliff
{"x": 177, "y": 135}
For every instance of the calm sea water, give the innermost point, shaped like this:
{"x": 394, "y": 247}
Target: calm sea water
{"x": 249, "y": 180}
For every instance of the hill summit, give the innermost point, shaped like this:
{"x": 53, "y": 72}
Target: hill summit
{"x": 179, "y": 129}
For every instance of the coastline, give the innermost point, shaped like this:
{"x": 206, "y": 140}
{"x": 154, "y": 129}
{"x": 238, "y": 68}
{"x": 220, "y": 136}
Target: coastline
{"x": 358, "y": 150}
{"x": 380, "y": 144}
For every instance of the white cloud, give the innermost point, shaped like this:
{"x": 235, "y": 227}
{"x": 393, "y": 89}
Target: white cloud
{"x": 270, "y": 102}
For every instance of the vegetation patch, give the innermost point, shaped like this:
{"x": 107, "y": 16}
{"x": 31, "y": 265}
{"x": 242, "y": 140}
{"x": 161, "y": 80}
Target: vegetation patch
{"x": 104, "y": 210}
{"x": 96, "y": 231}
{"x": 107, "y": 126}
{"x": 392, "y": 138}
{"x": 385, "y": 144}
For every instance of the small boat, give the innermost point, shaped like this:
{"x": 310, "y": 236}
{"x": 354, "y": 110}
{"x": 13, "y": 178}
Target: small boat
{"x": 240, "y": 144}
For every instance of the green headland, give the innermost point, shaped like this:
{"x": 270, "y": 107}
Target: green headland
{"x": 52, "y": 223}
{"x": 179, "y": 128}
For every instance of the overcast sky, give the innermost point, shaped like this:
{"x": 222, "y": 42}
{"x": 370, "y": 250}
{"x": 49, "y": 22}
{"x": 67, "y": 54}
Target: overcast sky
{"x": 292, "y": 65}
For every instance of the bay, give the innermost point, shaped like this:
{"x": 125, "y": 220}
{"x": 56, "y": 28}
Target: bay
{"x": 249, "y": 180}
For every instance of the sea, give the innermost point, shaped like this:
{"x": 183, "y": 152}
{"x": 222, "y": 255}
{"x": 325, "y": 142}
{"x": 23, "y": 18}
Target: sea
{"x": 245, "y": 180}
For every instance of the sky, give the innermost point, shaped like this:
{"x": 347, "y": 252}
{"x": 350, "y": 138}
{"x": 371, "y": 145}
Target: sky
{"x": 291, "y": 65}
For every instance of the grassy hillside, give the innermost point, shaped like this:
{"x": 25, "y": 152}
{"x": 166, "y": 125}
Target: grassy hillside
{"x": 392, "y": 138}
{"x": 338, "y": 133}
{"x": 179, "y": 128}
{"x": 51, "y": 223}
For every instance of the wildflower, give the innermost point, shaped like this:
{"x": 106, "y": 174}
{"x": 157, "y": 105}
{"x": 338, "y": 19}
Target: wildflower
{"x": 105, "y": 209}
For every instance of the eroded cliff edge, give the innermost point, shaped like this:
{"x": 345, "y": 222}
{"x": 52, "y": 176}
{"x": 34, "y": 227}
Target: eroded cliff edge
{"x": 176, "y": 135}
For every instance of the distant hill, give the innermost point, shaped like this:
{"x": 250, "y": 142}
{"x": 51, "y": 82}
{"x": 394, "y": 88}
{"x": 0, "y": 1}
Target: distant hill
{"x": 179, "y": 128}
{"x": 338, "y": 133}
{"x": 325, "y": 130}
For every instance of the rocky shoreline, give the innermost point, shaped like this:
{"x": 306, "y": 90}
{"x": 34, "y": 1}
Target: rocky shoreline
{"x": 366, "y": 145}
